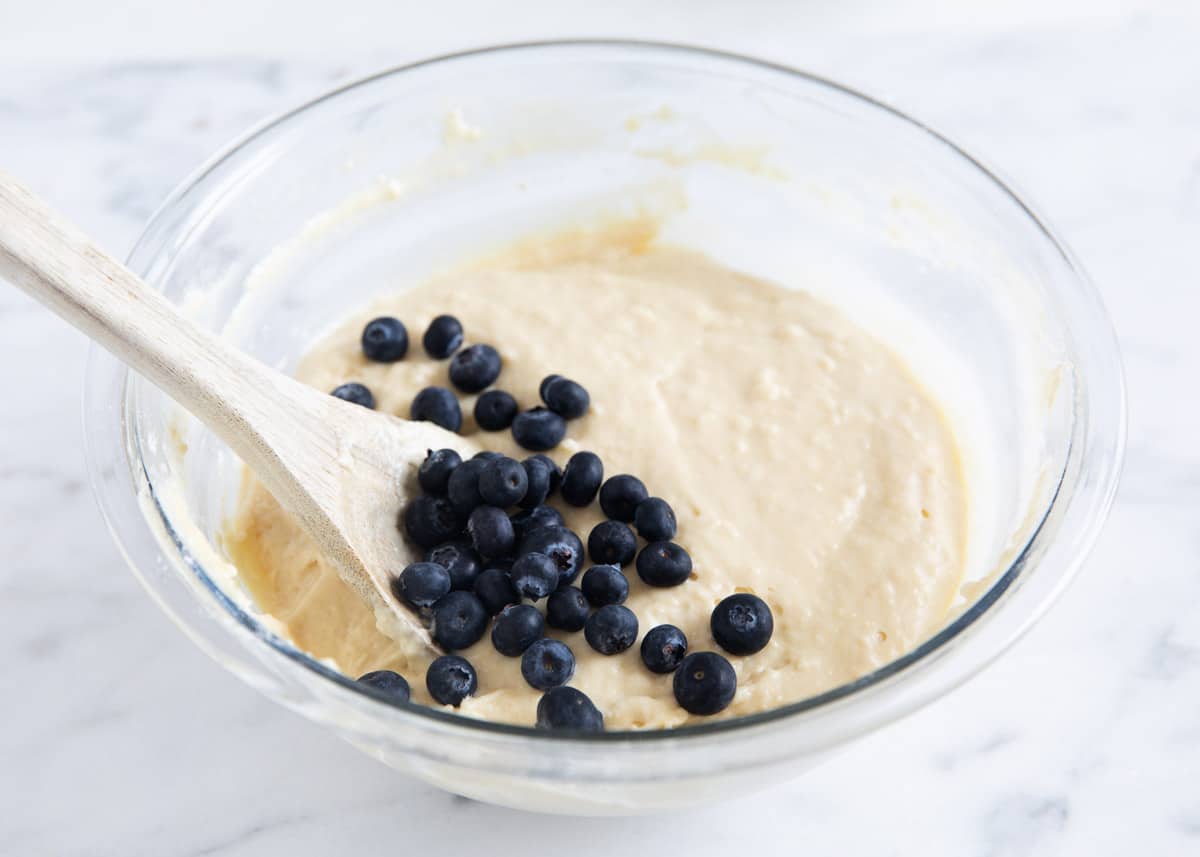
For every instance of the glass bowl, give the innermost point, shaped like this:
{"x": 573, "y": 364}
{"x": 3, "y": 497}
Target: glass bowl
{"x": 769, "y": 170}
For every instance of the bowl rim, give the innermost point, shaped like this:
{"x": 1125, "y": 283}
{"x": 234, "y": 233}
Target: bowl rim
{"x": 919, "y": 655}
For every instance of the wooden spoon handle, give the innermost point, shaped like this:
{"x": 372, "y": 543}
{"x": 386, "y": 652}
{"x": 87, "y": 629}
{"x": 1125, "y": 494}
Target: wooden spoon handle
{"x": 237, "y": 397}
{"x": 53, "y": 262}
{"x": 273, "y": 422}
{"x": 295, "y": 439}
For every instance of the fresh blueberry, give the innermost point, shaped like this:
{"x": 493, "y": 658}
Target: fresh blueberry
{"x": 570, "y": 709}
{"x": 664, "y": 564}
{"x": 534, "y": 575}
{"x": 435, "y": 470}
{"x": 494, "y": 410}
{"x": 663, "y": 648}
{"x": 494, "y": 588}
{"x": 563, "y": 396}
{"x": 620, "y": 495}
{"x": 581, "y": 478}
{"x": 430, "y": 521}
{"x": 437, "y": 405}
{"x": 475, "y": 368}
{"x": 742, "y": 624}
{"x": 537, "y": 481}
{"x": 460, "y": 560}
{"x": 391, "y": 683}
{"x": 604, "y": 584}
{"x": 545, "y": 385}
{"x": 459, "y": 621}
{"x": 561, "y": 545}
{"x": 503, "y": 482}
{"x": 443, "y": 337}
{"x": 705, "y": 683}
{"x": 355, "y": 394}
{"x": 450, "y": 679}
{"x": 538, "y": 429}
{"x": 536, "y": 518}
{"x": 612, "y": 543}
{"x": 385, "y": 340}
{"x": 566, "y": 609}
{"x": 491, "y": 532}
{"x": 515, "y": 629}
{"x": 462, "y": 488}
{"x": 611, "y": 629}
{"x": 422, "y": 584}
{"x": 547, "y": 663}
{"x": 555, "y": 472}
{"x": 655, "y": 520}
{"x": 488, "y": 455}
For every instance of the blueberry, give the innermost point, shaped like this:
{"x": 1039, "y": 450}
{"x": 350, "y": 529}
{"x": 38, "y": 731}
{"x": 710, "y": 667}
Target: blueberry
{"x": 568, "y": 708}
{"x": 664, "y": 564}
{"x": 537, "y": 480}
{"x": 387, "y": 682}
{"x": 581, "y": 478}
{"x": 451, "y": 679}
{"x": 491, "y": 532}
{"x": 534, "y": 575}
{"x": 459, "y": 621}
{"x": 604, "y": 584}
{"x": 538, "y": 429}
{"x": 435, "y": 470}
{"x": 437, "y": 405}
{"x": 612, "y": 543}
{"x": 503, "y": 482}
{"x": 545, "y": 385}
{"x": 494, "y": 588}
{"x": 563, "y": 396}
{"x": 663, "y": 648}
{"x": 547, "y": 663}
{"x": 443, "y": 337}
{"x": 611, "y": 629}
{"x": 487, "y": 455}
{"x": 655, "y": 520}
{"x": 494, "y": 410}
{"x": 555, "y": 472}
{"x": 422, "y": 584}
{"x": 561, "y": 545}
{"x": 742, "y": 624}
{"x": 460, "y": 560}
{"x": 620, "y": 495}
{"x": 535, "y": 519}
{"x": 567, "y": 609}
{"x": 430, "y": 521}
{"x": 355, "y": 394}
{"x": 385, "y": 340}
{"x": 705, "y": 683}
{"x": 475, "y": 368}
{"x": 516, "y": 628}
{"x": 462, "y": 488}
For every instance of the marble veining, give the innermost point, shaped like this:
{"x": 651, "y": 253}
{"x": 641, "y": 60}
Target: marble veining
{"x": 121, "y": 738}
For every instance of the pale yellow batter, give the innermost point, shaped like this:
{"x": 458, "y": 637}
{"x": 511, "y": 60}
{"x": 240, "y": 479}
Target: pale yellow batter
{"x": 803, "y": 461}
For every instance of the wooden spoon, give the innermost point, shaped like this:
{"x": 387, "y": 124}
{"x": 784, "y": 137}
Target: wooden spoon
{"x": 341, "y": 469}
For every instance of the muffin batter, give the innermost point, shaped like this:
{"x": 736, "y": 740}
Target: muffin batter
{"x": 802, "y": 460}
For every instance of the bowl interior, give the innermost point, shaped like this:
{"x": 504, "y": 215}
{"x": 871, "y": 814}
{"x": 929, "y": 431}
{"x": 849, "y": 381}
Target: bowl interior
{"x": 772, "y": 173}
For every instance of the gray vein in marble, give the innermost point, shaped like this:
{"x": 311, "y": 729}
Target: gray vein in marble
{"x": 1021, "y": 824}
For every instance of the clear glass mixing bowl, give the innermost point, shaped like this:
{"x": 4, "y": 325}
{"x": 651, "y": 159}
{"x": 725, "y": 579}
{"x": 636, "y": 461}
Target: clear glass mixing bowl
{"x": 771, "y": 171}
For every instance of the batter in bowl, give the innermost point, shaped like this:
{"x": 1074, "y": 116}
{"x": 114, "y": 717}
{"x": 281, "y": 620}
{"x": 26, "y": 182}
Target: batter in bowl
{"x": 803, "y": 461}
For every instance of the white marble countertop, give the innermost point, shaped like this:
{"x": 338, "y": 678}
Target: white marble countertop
{"x": 119, "y": 737}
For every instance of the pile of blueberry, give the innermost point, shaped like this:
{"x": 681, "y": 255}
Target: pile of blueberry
{"x": 472, "y": 369}
{"x": 494, "y": 548}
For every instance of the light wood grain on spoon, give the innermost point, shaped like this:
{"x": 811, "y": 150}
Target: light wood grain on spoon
{"x": 342, "y": 470}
